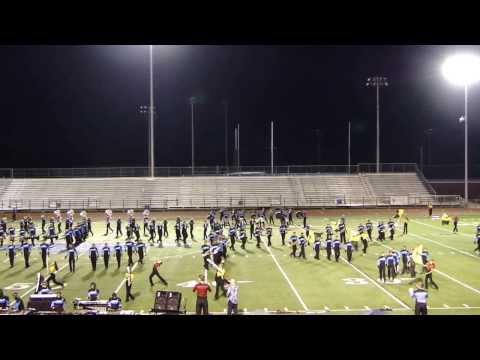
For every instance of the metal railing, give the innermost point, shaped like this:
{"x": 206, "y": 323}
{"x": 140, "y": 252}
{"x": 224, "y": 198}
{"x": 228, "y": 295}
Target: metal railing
{"x": 94, "y": 172}
{"x": 201, "y": 202}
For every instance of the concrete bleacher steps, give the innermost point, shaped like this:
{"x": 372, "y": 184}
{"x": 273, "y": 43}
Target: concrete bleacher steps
{"x": 206, "y": 192}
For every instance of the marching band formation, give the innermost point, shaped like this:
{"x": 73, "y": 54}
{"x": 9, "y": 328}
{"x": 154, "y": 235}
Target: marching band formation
{"x": 223, "y": 230}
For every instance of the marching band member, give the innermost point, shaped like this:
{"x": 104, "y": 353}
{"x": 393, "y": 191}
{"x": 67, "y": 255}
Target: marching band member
{"x": 381, "y": 231}
{"x": 53, "y": 268}
{"x": 146, "y": 215}
{"x": 114, "y": 303}
{"x": 206, "y": 254}
{"x": 293, "y": 243}
{"x": 257, "y": 234}
{"x": 130, "y": 248}
{"x": 165, "y": 229}
{"x": 58, "y": 218}
{"x": 89, "y": 226}
{"x": 184, "y": 232}
{"x": 51, "y": 233}
{"x": 129, "y": 284}
{"x": 342, "y": 229}
{"x": 118, "y": 253}
{"x": 283, "y": 232}
{"x": 328, "y": 246}
{"x": 106, "y": 255}
{"x": 58, "y": 305}
{"x": 232, "y": 232}
{"x": 363, "y": 238}
{"x": 160, "y": 233}
{"x": 44, "y": 251}
{"x": 72, "y": 257}
{"x": 220, "y": 281}
{"x": 156, "y": 266}
{"x": 119, "y": 228}
{"x": 11, "y": 252}
{"x": 381, "y": 261}
{"x": 336, "y": 249}
{"x": 93, "y": 293}
{"x": 141, "y": 250}
{"x": 42, "y": 217}
{"x": 27, "y": 249}
{"x": 205, "y": 229}
{"x": 108, "y": 219}
{"x": 93, "y": 254}
{"x": 390, "y": 260}
{"x": 243, "y": 237}
{"x": 269, "y": 235}
{"x": 151, "y": 230}
{"x": 316, "y": 247}
{"x": 302, "y": 242}
{"x": 349, "y": 250}
{"x": 191, "y": 224}
{"x": 391, "y": 227}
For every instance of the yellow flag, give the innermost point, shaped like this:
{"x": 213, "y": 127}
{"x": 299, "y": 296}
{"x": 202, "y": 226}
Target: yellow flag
{"x": 417, "y": 254}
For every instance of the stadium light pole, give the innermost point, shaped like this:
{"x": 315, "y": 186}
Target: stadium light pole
{"x": 377, "y": 82}
{"x": 225, "y": 108}
{"x": 192, "y": 103}
{"x": 152, "y": 158}
{"x": 349, "y": 146}
{"x": 463, "y": 70}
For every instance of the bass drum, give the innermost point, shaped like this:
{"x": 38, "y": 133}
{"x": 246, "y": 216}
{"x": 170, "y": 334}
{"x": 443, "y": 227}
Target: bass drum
{"x": 278, "y": 215}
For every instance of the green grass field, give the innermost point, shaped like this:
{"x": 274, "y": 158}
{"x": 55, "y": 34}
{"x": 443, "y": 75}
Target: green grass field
{"x": 270, "y": 279}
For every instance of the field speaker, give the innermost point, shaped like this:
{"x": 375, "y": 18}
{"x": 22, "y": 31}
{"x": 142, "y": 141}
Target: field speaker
{"x": 167, "y": 302}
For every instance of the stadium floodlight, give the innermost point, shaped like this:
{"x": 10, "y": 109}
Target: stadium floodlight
{"x": 377, "y": 82}
{"x": 463, "y": 70}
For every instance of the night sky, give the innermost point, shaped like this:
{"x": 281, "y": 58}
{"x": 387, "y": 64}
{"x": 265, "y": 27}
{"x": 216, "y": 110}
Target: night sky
{"x": 77, "y": 106}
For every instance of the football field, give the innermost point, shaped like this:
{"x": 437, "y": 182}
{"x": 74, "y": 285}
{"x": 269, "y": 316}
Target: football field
{"x": 268, "y": 278}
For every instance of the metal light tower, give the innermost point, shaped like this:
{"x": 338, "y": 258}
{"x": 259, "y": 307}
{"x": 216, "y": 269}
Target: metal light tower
{"x": 146, "y": 110}
{"x": 225, "y": 107}
{"x": 192, "y": 103}
{"x": 463, "y": 70}
{"x": 152, "y": 156}
{"x": 377, "y": 82}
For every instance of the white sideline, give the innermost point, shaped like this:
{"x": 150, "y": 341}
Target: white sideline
{"x": 286, "y": 277}
{"x": 375, "y": 283}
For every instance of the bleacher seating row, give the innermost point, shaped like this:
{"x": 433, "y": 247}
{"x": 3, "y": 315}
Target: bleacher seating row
{"x": 201, "y": 192}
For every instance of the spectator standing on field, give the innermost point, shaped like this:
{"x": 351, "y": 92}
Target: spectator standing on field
{"x": 202, "y": 289}
{"x": 420, "y": 295}
{"x": 430, "y": 209}
{"x": 232, "y": 295}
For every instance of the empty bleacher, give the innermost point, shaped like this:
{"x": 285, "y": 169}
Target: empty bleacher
{"x": 397, "y": 184}
{"x": 209, "y": 191}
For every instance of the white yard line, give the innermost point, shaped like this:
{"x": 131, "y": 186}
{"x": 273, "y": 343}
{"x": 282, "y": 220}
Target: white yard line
{"x": 286, "y": 277}
{"x": 124, "y": 280}
{"x": 377, "y": 285}
{"x": 442, "y": 273}
{"x": 458, "y": 282}
{"x": 439, "y": 228}
{"x": 445, "y": 246}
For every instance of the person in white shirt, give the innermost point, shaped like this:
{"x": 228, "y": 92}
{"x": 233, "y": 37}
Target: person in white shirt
{"x": 232, "y": 296}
